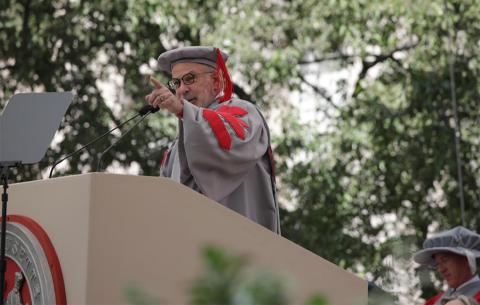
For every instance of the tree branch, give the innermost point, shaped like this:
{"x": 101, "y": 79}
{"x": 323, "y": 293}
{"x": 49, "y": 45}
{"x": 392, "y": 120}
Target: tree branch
{"x": 326, "y": 58}
{"x": 7, "y": 67}
{"x": 367, "y": 65}
{"x": 240, "y": 92}
{"x": 25, "y": 28}
{"x": 320, "y": 91}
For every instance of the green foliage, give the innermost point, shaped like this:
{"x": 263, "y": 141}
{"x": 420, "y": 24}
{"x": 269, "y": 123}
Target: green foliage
{"x": 378, "y": 163}
{"x": 317, "y": 300}
{"x": 72, "y": 46}
{"x": 391, "y": 150}
{"x": 135, "y": 296}
{"x": 225, "y": 282}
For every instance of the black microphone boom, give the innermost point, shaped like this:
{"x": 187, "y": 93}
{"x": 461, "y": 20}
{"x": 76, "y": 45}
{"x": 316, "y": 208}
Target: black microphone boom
{"x": 100, "y": 156}
{"x": 142, "y": 112}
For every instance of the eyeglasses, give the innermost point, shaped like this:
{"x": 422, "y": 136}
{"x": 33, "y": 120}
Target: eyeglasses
{"x": 187, "y": 79}
{"x": 441, "y": 260}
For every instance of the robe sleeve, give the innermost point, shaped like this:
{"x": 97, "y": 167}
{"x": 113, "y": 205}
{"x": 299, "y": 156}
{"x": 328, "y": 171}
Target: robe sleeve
{"x": 222, "y": 145}
{"x": 434, "y": 299}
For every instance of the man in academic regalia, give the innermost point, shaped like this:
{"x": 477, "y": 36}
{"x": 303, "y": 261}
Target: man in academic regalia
{"x": 223, "y": 144}
{"x": 453, "y": 253}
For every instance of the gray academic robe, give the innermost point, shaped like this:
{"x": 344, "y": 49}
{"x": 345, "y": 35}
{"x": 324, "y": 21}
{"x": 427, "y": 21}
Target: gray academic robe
{"x": 472, "y": 289}
{"x": 222, "y": 152}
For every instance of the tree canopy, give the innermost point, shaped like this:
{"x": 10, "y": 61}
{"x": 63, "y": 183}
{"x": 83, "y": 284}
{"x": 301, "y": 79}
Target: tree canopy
{"x": 376, "y": 168}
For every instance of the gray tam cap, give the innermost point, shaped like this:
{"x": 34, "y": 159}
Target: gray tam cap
{"x": 458, "y": 240}
{"x": 196, "y": 54}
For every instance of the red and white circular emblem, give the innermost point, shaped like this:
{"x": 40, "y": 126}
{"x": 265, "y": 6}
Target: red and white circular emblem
{"x": 33, "y": 272}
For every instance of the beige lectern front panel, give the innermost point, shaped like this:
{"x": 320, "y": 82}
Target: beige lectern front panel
{"x": 111, "y": 231}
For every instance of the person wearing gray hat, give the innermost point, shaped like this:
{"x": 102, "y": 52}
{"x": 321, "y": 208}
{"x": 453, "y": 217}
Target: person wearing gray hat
{"x": 454, "y": 255}
{"x": 223, "y": 145}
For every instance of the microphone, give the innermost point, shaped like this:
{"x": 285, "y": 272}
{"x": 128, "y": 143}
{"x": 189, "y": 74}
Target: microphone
{"x": 147, "y": 109}
{"x": 142, "y": 112}
{"x": 100, "y": 156}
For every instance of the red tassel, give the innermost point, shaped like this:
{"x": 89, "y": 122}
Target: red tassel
{"x": 228, "y": 90}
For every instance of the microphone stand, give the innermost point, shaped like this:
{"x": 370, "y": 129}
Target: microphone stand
{"x": 100, "y": 156}
{"x": 3, "y": 262}
{"x": 142, "y": 112}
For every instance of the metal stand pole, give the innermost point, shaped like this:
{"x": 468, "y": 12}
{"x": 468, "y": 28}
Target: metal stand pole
{"x": 3, "y": 261}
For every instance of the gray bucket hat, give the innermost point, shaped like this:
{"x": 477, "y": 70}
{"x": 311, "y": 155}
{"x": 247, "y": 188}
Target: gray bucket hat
{"x": 458, "y": 240}
{"x": 198, "y": 54}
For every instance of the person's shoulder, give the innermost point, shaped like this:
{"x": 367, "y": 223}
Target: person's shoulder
{"x": 250, "y": 107}
{"x": 238, "y": 101}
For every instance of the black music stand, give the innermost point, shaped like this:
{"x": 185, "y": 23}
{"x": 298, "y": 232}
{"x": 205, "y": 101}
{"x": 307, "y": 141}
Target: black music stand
{"x": 27, "y": 126}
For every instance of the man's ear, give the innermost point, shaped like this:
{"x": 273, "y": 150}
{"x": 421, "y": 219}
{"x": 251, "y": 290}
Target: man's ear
{"x": 217, "y": 80}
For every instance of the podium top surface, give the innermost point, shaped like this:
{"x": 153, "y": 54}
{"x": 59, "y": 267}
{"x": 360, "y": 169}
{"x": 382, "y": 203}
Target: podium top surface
{"x": 28, "y": 123}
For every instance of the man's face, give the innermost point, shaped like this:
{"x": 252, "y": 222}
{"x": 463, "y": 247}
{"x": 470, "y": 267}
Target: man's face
{"x": 453, "y": 268}
{"x": 203, "y": 90}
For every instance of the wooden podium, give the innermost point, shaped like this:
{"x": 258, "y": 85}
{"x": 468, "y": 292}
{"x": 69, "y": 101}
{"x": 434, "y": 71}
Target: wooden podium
{"x": 110, "y": 231}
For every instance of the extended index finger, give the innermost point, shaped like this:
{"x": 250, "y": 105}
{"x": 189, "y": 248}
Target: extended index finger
{"x": 156, "y": 83}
